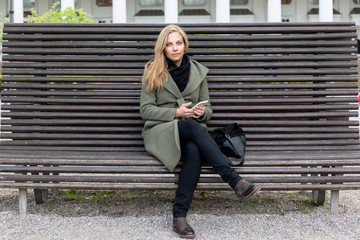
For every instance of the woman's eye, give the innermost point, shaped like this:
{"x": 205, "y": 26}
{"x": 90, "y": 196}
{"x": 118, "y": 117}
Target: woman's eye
{"x": 168, "y": 45}
{"x": 179, "y": 43}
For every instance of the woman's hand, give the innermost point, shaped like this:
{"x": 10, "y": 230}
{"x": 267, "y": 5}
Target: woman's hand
{"x": 184, "y": 112}
{"x": 199, "y": 111}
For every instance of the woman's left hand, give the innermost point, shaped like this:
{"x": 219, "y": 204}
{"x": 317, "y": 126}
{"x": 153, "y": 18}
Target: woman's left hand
{"x": 199, "y": 111}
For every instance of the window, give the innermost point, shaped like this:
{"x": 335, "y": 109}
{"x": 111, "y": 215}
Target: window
{"x": 194, "y": 2}
{"x": 29, "y": 4}
{"x": 316, "y": 2}
{"x": 239, "y": 2}
{"x": 150, "y": 3}
{"x": 58, "y": 7}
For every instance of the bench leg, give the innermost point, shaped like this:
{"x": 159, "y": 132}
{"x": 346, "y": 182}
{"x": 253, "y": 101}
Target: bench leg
{"x": 40, "y": 195}
{"x": 22, "y": 202}
{"x": 334, "y": 202}
{"x": 318, "y": 195}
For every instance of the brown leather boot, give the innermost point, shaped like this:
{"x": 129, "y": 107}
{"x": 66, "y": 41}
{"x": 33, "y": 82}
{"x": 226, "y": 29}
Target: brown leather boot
{"x": 245, "y": 190}
{"x": 182, "y": 227}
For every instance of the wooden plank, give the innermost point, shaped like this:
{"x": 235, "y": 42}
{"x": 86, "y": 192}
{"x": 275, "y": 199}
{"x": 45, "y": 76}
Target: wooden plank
{"x": 132, "y": 37}
{"x": 213, "y": 101}
{"x": 219, "y": 86}
{"x": 211, "y": 79}
{"x": 211, "y": 123}
{"x": 195, "y": 43}
{"x": 161, "y": 25}
{"x": 220, "y": 109}
{"x": 172, "y": 179}
{"x": 115, "y": 129}
{"x": 172, "y": 187}
{"x": 193, "y": 51}
{"x": 162, "y": 169}
{"x": 208, "y": 58}
{"x": 240, "y": 29}
{"x": 212, "y": 65}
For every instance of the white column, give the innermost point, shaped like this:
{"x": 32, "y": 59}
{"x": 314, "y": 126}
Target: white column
{"x": 274, "y": 10}
{"x": 325, "y": 10}
{"x": 223, "y": 11}
{"x": 67, "y": 3}
{"x": 119, "y": 11}
{"x": 18, "y": 11}
{"x": 171, "y": 11}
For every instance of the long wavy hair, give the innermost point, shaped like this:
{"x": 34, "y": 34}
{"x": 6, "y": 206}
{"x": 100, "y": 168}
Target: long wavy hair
{"x": 155, "y": 74}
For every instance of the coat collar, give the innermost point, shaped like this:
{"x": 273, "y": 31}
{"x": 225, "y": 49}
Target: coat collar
{"x": 197, "y": 74}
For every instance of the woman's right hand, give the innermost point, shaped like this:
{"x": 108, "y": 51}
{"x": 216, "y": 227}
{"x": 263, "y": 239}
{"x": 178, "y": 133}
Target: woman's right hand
{"x": 184, "y": 112}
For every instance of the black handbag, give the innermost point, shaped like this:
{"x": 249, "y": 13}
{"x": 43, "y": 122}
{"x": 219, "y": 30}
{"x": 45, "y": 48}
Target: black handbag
{"x": 231, "y": 140}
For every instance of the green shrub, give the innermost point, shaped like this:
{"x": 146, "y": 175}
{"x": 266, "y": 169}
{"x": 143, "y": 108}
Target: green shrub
{"x": 69, "y": 15}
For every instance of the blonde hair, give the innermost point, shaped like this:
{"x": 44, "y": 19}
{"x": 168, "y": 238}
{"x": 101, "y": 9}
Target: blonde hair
{"x": 155, "y": 74}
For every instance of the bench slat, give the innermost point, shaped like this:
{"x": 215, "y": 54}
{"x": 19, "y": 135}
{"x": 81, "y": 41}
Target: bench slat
{"x": 212, "y": 65}
{"x": 161, "y": 179}
{"x": 209, "y": 58}
{"x": 216, "y": 51}
{"x": 115, "y": 129}
{"x": 174, "y": 187}
{"x": 162, "y": 170}
{"x": 195, "y": 43}
{"x": 211, "y": 79}
{"x": 120, "y": 122}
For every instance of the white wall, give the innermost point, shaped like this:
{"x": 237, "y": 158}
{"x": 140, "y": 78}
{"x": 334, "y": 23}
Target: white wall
{"x": 242, "y": 19}
{"x": 130, "y": 6}
{"x": 260, "y": 10}
{"x": 301, "y": 11}
{"x": 3, "y": 8}
{"x": 42, "y": 6}
{"x": 345, "y": 8}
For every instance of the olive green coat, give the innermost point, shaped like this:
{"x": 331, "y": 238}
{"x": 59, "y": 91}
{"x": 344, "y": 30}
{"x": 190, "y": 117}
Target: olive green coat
{"x": 160, "y": 133}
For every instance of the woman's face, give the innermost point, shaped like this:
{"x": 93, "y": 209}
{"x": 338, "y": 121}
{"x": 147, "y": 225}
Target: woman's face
{"x": 175, "y": 48}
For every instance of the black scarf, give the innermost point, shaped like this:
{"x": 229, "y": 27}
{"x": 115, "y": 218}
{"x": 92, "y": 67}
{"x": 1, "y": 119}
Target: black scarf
{"x": 181, "y": 73}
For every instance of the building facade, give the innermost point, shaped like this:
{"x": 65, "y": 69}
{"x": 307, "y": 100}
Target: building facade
{"x": 182, "y": 11}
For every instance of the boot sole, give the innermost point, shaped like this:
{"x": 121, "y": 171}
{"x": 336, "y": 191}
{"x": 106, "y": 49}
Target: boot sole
{"x": 184, "y": 236}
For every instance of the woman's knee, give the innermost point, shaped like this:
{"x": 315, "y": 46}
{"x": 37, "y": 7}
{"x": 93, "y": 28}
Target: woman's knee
{"x": 189, "y": 125}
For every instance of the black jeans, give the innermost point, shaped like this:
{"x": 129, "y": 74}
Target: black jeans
{"x": 196, "y": 147}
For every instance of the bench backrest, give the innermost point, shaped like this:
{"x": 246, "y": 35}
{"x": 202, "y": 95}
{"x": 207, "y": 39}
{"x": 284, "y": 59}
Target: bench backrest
{"x": 291, "y": 86}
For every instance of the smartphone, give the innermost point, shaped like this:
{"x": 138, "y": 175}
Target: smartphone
{"x": 200, "y": 103}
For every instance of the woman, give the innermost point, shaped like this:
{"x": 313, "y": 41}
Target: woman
{"x": 172, "y": 84}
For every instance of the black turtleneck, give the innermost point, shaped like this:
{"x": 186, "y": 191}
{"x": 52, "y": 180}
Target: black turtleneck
{"x": 181, "y": 73}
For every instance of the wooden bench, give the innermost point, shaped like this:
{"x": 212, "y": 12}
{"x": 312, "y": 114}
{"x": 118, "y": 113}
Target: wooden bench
{"x": 70, "y": 101}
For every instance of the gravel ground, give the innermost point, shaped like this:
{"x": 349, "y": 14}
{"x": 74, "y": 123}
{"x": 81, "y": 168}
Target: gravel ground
{"x": 147, "y": 215}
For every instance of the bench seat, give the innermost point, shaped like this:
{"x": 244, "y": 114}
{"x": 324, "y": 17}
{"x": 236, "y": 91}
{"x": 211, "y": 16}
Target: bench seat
{"x": 99, "y": 170}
